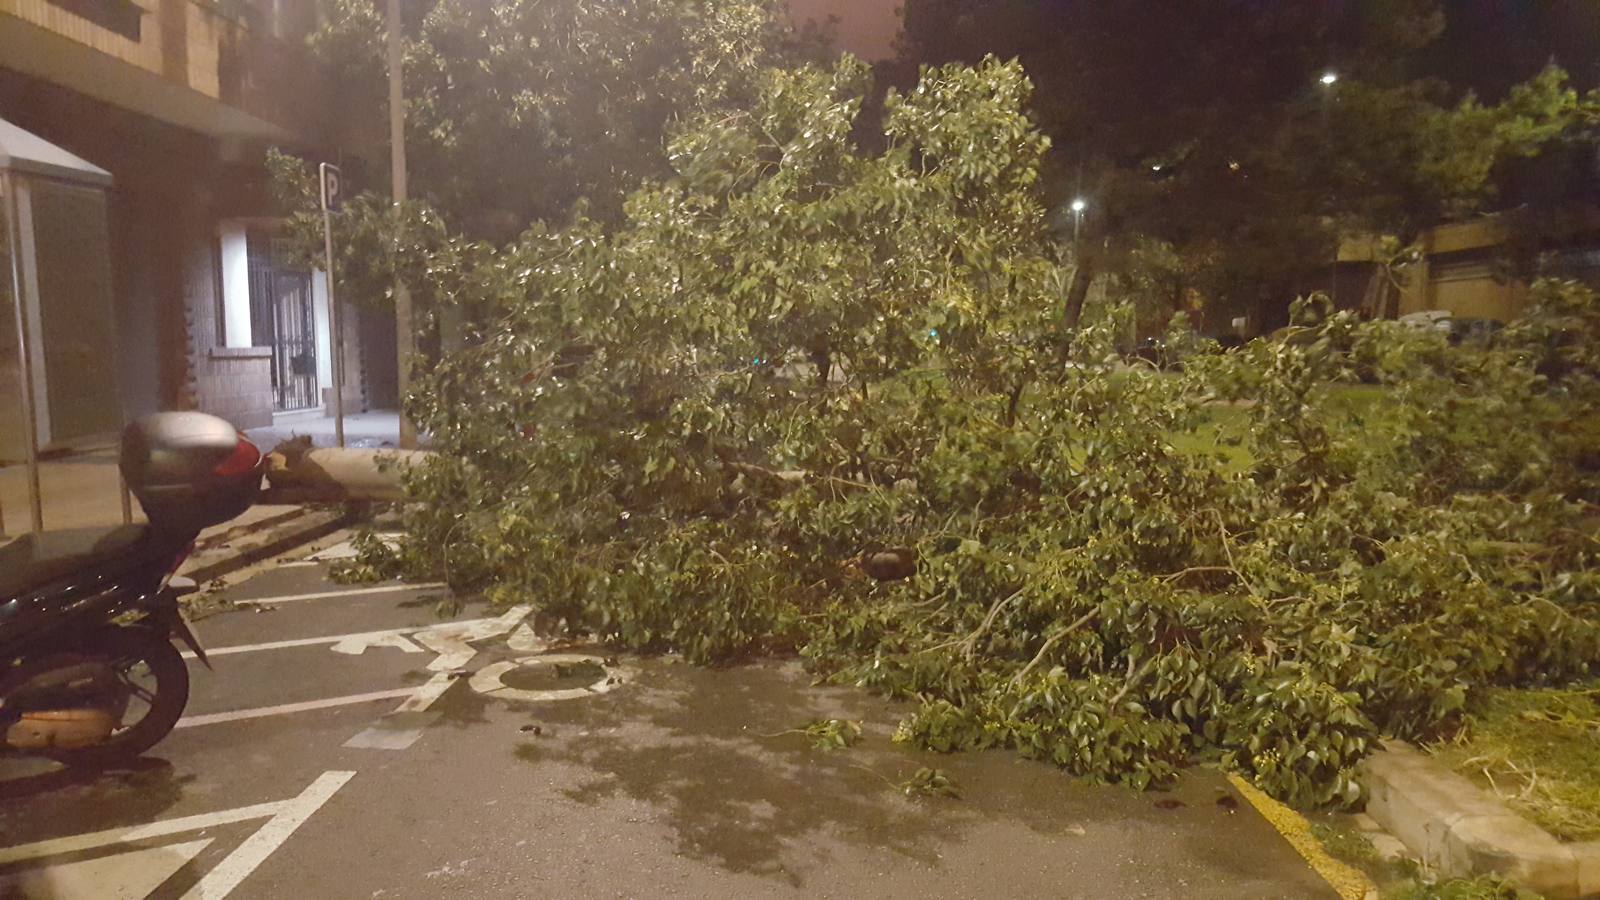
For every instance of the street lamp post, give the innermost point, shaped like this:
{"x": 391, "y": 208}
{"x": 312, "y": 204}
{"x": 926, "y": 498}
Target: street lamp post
{"x": 1328, "y": 80}
{"x": 1078, "y": 206}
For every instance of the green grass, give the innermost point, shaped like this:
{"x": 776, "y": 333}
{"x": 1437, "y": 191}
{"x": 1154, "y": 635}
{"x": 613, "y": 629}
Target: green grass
{"x": 1540, "y": 751}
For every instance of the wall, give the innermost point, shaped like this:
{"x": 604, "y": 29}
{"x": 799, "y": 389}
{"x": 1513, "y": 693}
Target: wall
{"x": 232, "y": 382}
{"x": 1456, "y": 273}
{"x": 187, "y": 63}
{"x": 234, "y": 261}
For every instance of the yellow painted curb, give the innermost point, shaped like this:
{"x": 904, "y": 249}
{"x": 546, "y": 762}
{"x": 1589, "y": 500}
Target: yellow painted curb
{"x": 1348, "y": 882}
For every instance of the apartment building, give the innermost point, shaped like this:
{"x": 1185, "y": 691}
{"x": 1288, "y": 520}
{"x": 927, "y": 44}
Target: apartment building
{"x": 178, "y": 100}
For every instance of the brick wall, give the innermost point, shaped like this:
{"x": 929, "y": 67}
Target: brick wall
{"x": 236, "y": 384}
{"x": 232, "y": 382}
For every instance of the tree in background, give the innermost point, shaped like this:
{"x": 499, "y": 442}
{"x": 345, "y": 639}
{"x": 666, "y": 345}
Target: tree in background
{"x": 523, "y": 111}
{"x": 1210, "y": 130}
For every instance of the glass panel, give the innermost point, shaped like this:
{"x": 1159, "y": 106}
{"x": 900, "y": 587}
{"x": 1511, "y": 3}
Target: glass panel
{"x": 73, "y": 246}
{"x": 12, "y": 446}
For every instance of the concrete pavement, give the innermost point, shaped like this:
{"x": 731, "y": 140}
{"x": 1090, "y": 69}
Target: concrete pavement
{"x": 82, "y": 491}
{"x": 375, "y": 429}
{"x": 351, "y": 743}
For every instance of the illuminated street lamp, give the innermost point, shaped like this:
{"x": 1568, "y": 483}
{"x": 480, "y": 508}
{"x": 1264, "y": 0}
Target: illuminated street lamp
{"x": 1078, "y": 206}
{"x": 1329, "y": 79}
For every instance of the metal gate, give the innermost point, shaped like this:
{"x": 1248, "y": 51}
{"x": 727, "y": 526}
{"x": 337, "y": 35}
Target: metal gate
{"x": 281, "y": 318}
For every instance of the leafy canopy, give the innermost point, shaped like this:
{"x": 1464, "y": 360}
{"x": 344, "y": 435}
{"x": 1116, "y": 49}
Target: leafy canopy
{"x": 527, "y": 110}
{"x": 809, "y": 396}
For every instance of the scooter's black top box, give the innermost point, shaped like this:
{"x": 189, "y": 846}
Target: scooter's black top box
{"x": 190, "y": 470}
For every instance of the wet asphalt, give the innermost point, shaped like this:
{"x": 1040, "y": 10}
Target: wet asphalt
{"x": 670, "y": 783}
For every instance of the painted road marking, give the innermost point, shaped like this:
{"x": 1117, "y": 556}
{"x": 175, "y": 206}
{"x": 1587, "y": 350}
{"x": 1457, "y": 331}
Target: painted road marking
{"x": 425, "y": 696}
{"x": 1348, "y": 882}
{"x": 353, "y": 643}
{"x": 488, "y": 680}
{"x": 131, "y": 833}
{"x": 304, "y": 642}
{"x": 290, "y": 708}
{"x": 358, "y": 646}
{"x": 284, "y": 816}
{"x": 337, "y": 595}
{"x": 403, "y": 727}
{"x": 121, "y": 876}
{"x": 220, "y": 881}
{"x": 452, "y": 641}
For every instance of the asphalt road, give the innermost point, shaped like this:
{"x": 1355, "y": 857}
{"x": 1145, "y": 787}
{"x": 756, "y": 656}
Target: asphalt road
{"x": 352, "y": 743}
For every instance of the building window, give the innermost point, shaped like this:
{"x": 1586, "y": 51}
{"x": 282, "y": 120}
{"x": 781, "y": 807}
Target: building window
{"x": 123, "y": 17}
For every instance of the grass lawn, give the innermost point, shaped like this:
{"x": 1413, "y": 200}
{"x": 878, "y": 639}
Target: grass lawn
{"x": 1540, "y": 751}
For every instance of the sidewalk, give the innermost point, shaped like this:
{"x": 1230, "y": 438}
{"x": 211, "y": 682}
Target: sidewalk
{"x": 81, "y": 492}
{"x": 379, "y": 428}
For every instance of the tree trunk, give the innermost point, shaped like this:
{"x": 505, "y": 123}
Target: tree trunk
{"x": 298, "y": 474}
{"x": 1077, "y": 293}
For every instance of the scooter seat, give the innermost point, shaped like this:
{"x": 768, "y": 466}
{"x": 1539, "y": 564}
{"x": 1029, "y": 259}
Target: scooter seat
{"x": 35, "y": 560}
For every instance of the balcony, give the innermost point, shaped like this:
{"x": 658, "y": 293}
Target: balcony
{"x": 226, "y": 68}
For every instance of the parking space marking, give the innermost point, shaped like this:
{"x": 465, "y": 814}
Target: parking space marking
{"x": 288, "y": 708}
{"x": 127, "y": 834}
{"x": 284, "y": 816}
{"x": 127, "y": 876}
{"x": 238, "y": 865}
{"x": 335, "y": 639}
{"x": 337, "y": 595}
{"x": 353, "y": 643}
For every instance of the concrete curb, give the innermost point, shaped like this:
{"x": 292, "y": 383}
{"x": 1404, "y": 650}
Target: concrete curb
{"x": 1462, "y": 830}
{"x": 233, "y": 550}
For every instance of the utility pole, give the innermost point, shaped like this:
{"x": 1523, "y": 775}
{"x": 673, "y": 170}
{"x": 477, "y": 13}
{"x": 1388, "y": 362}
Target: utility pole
{"x": 405, "y": 343}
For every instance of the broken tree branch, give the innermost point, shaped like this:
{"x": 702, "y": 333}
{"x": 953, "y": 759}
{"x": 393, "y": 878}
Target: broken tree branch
{"x": 1050, "y": 643}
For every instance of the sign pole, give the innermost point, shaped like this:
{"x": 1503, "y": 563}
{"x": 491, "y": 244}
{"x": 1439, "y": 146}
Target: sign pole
{"x": 405, "y": 339}
{"x": 30, "y": 425}
{"x": 330, "y": 200}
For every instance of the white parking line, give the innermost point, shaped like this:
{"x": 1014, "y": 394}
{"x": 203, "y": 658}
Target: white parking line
{"x": 126, "y": 876}
{"x": 307, "y": 642}
{"x": 331, "y": 595}
{"x": 287, "y": 708}
{"x": 130, "y": 833}
{"x": 218, "y": 882}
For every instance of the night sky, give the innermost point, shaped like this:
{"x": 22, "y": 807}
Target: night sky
{"x": 867, "y": 28}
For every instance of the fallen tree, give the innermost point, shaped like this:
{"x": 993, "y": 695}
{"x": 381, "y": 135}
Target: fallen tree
{"x": 297, "y": 472}
{"x": 811, "y": 398}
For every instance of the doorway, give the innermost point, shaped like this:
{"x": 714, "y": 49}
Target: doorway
{"x": 281, "y": 317}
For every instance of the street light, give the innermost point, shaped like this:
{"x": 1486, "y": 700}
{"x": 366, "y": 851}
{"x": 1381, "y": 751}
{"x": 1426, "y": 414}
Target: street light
{"x": 1328, "y": 80}
{"x": 1078, "y": 206}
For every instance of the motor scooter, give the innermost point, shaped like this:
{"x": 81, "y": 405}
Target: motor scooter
{"x": 89, "y": 675}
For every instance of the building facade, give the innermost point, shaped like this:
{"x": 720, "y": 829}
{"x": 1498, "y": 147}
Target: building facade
{"x": 1459, "y": 270}
{"x": 179, "y": 100}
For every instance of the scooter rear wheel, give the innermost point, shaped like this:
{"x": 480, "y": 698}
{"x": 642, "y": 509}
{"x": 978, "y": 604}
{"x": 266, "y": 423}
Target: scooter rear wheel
{"x": 127, "y": 648}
